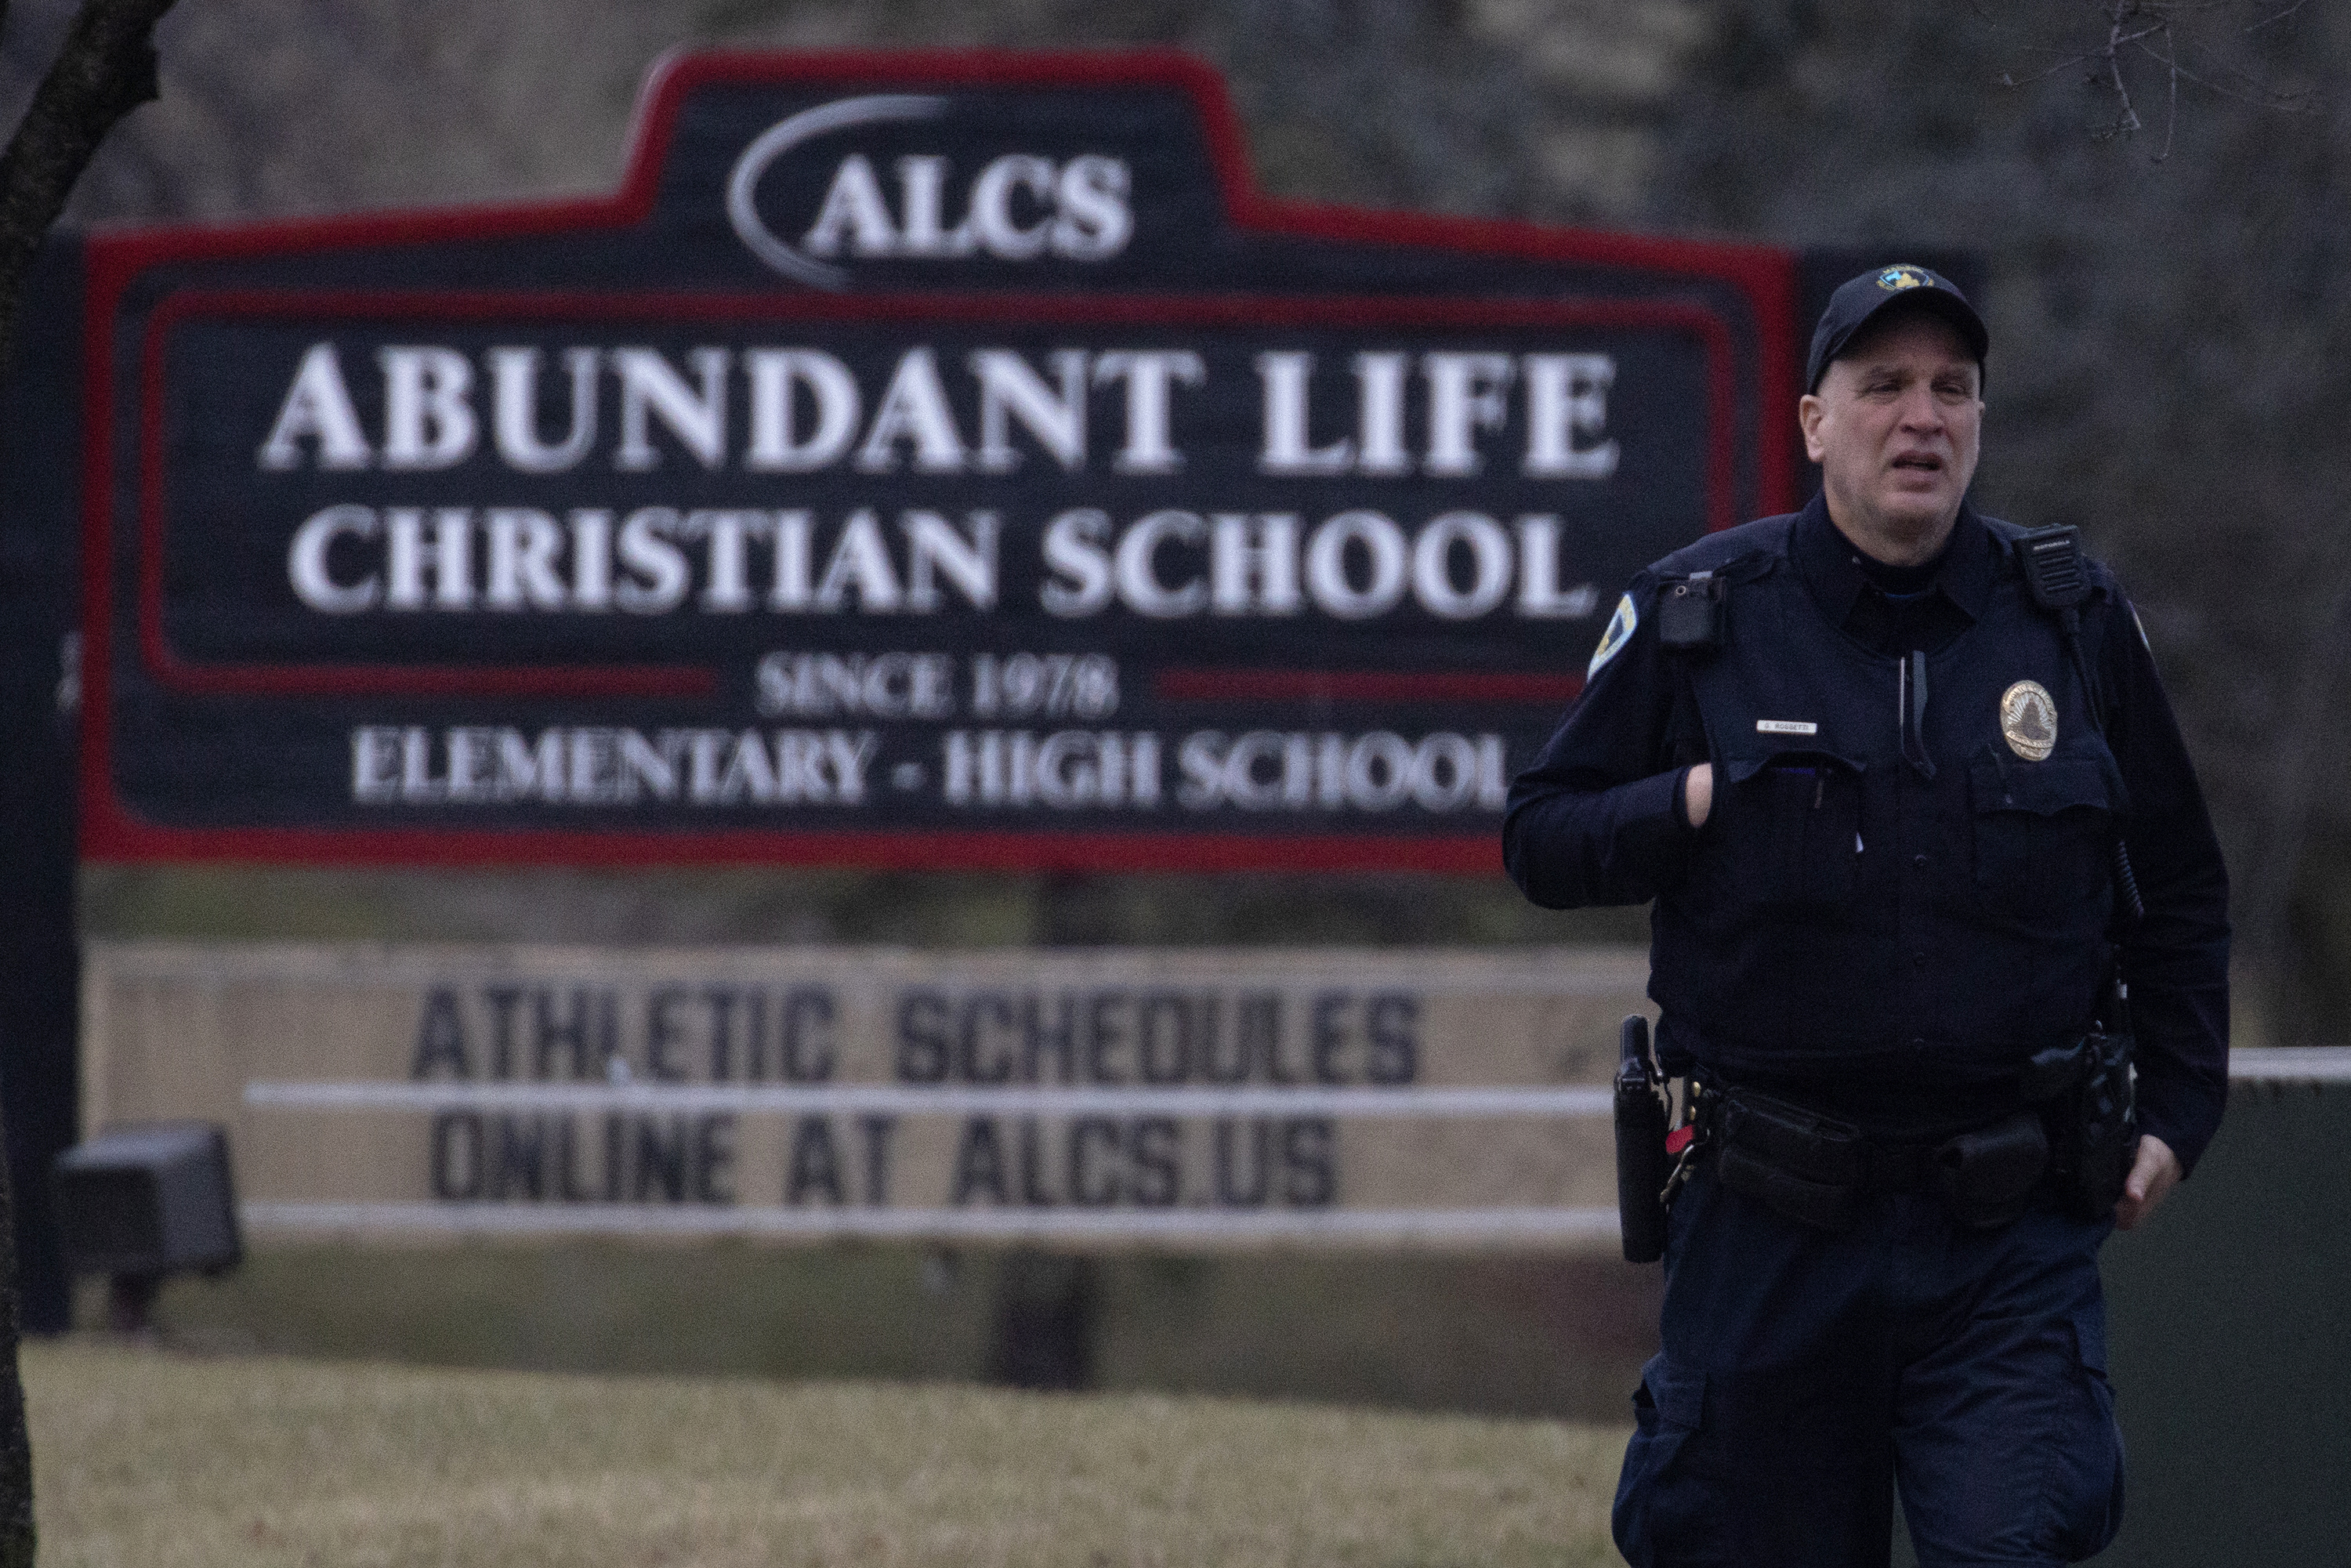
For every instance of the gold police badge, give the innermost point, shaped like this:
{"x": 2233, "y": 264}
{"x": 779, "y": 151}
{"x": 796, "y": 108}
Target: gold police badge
{"x": 2028, "y": 720}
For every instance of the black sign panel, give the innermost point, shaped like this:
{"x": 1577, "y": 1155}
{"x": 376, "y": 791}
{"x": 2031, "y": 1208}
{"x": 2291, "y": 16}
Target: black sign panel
{"x": 924, "y": 460}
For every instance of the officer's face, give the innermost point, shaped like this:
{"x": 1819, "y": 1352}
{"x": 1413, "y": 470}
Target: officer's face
{"x": 1894, "y": 428}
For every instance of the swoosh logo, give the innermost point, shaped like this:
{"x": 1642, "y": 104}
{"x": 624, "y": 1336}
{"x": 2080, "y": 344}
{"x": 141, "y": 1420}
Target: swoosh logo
{"x": 743, "y": 185}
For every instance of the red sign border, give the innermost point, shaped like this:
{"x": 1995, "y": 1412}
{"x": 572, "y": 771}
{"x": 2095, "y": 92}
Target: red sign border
{"x": 1765, "y": 275}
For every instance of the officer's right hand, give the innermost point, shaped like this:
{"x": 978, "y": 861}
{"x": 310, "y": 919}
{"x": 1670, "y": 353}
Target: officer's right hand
{"x": 1697, "y": 793}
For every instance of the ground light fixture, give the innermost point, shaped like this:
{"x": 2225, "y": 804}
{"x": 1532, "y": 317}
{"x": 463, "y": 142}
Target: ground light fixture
{"x": 141, "y": 1203}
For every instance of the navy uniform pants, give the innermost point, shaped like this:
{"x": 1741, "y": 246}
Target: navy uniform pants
{"x": 1805, "y": 1375}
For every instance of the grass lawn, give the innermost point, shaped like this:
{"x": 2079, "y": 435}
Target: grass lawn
{"x": 150, "y": 1459}
{"x": 1561, "y": 1337}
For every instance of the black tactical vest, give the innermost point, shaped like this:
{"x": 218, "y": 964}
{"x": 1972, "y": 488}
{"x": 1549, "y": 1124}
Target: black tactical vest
{"x": 1845, "y": 914}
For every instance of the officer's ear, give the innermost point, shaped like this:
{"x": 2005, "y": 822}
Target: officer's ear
{"x": 1810, "y": 411}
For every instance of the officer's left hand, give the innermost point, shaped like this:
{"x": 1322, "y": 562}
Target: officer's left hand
{"x": 2153, "y": 1174}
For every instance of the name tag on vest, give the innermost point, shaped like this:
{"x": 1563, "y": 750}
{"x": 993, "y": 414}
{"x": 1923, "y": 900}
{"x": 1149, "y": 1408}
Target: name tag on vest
{"x": 1786, "y": 727}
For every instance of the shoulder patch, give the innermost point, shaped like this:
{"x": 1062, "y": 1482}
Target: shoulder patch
{"x": 1619, "y": 632}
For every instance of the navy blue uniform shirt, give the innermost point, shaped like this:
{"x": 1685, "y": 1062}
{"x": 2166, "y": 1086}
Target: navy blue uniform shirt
{"x": 1600, "y": 818}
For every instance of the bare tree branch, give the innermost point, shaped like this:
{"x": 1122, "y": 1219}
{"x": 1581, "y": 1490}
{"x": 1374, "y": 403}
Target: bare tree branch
{"x": 2278, "y": 16}
{"x": 2128, "y": 121}
{"x": 2299, "y": 101}
{"x": 2176, "y": 36}
{"x": 105, "y": 69}
{"x": 2171, "y": 115}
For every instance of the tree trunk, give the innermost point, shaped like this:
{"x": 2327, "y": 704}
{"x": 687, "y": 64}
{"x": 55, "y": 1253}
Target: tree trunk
{"x": 105, "y": 69}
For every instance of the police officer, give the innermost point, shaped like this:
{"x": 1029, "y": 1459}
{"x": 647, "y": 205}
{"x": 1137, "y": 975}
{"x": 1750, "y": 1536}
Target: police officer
{"x": 1889, "y": 769}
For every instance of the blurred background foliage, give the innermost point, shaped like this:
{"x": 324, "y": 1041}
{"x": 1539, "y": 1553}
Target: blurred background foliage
{"x": 2160, "y": 191}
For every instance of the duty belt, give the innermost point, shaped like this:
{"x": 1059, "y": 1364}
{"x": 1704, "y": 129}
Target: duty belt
{"x": 1816, "y": 1169}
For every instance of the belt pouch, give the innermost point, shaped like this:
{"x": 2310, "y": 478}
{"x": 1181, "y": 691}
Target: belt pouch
{"x": 1987, "y": 1178}
{"x": 1794, "y": 1139}
{"x": 1803, "y": 1167}
{"x": 1817, "y": 1203}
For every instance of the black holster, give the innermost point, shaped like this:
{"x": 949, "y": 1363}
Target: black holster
{"x": 2087, "y": 1095}
{"x": 1642, "y": 1163}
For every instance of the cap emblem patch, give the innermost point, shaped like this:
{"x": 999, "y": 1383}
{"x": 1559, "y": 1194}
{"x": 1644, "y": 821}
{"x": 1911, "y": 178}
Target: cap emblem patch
{"x": 2028, "y": 720}
{"x": 1895, "y": 278}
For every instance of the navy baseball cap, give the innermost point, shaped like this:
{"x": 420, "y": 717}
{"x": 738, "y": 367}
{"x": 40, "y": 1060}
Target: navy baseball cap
{"x": 1861, "y": 300}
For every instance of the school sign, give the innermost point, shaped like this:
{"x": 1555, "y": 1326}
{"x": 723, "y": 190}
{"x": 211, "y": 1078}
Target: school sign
{"x": 939, "y": 460}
